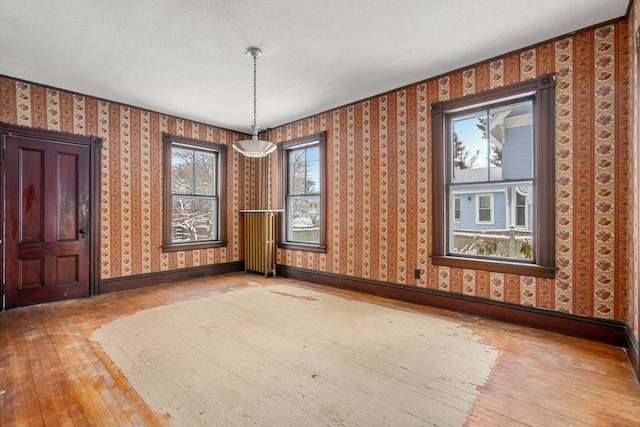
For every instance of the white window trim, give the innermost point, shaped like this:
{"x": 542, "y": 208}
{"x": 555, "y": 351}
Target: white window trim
{"x": 457, "y": 221}
{"x": 514, "y": 209}
{"x": 491, "y": 207}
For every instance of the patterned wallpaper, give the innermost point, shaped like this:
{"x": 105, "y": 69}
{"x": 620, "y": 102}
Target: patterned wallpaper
{"x": 634, "y": 163}
{"x": 131, "y": 209}
{"x": 379, "y": 179}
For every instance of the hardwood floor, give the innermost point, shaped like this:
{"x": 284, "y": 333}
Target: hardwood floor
{"x": 52, "y": 374}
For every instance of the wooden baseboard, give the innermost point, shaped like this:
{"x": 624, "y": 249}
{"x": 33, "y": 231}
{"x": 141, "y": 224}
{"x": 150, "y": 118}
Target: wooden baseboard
{"x": 633, "y": 351}
{"x": 149, "y": 279}
{"x": 607, "y": 331}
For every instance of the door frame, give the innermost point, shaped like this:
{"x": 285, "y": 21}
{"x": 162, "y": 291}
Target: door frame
{"x": 95, "y": 166}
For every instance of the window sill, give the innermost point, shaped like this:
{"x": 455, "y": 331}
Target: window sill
{"x": 496, "y": 266}
{"x": 177, "y": 247}
{"x": 302, "y": 247}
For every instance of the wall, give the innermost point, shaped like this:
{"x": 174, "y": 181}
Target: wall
{"x": 131, "y": 210}
{"x": 379, "y": 175}
{"x": 634, "y": 163}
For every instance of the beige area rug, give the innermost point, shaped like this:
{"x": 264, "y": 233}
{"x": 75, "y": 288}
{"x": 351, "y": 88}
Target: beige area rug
{"x": 289, "y": 356}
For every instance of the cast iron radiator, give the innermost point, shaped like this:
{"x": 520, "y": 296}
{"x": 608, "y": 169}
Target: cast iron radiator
{"x": 260, "y": 241}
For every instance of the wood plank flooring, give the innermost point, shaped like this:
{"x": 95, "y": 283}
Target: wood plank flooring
{"x": 51, "y": 374}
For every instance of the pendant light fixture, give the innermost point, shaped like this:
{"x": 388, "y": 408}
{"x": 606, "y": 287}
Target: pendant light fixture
{"x": 254, "y": 147}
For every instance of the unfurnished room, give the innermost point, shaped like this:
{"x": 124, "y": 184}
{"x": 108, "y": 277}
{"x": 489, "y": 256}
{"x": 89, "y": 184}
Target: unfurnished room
{"x": 320, "y": 213}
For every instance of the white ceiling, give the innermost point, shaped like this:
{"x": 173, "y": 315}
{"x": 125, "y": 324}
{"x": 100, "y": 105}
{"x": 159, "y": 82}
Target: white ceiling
{"x": 186, "y": 57}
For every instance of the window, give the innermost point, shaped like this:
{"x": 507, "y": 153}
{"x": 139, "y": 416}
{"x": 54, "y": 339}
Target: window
{"x": 194, "y": 194}
{"x": 456, "y": 212}
{"x": 484, "y": 211}
{"x": 495, "y": 152}
{"x": 521, "y": 209}
{"x": 302, "y": 193}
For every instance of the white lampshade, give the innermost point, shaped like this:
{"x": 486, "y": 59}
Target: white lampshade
{"x": 254, "y": 147}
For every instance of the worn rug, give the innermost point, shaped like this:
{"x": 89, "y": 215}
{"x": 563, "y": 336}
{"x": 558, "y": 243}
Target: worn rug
{"x": 286, "y": 355}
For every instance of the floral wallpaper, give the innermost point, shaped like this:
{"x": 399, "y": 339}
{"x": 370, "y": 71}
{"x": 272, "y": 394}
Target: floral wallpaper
{"x": 379, "y": 179}
{"x": 131, "y": 198}
{"x": 634, "y": 165}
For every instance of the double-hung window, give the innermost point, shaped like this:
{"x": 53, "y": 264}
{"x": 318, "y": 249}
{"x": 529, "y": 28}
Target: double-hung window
{"x": 493, "y": 180}
{"x": 457, "y": 209}
{"x": 194, "y": 194}
{"x": 484, "y": 203}
{"x": 522, "y": 207}
{"x": 302, "y": 193}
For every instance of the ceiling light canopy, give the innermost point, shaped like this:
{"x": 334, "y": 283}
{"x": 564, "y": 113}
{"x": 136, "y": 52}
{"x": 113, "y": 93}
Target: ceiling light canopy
{"x": 254, "y": 147}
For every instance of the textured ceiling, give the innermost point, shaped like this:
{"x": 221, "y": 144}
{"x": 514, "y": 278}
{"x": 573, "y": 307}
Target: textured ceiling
{"x": 186, "y": 57}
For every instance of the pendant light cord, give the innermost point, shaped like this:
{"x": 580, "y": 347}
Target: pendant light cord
{"x": 255, "y": 114}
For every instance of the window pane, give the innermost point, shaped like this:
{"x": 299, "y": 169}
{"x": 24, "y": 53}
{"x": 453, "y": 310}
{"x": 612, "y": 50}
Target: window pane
{"x": 521, "y": 210}
{"x": 512, "y": 139}
{"x": 470, "y": 150}
{"x": 181, "y": 171}
{"x": 304, "y": 212}
{"x": 484, "y": 215}
{"x": 297, "y": 172}
{"x": 313, "y": 170}
{"x": 464, "y": 210}
{"x": 485, "y": 202}
{"x": 205, "y": 173}
{"x": 487, "y": 222}
{"x": 194, "y": 219}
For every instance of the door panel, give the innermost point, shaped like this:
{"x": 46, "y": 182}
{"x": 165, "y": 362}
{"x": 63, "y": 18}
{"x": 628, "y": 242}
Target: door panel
{"x": 47, "y": 206}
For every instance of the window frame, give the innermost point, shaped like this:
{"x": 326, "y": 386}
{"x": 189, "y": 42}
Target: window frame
{"x": 491, "y": 209}
{"x": 284, "y": 149}
{"x": 542, "y": 91}
{"x": 221, "y": 150}
{"x": 524, "y": 207}
{"x": 457, "y": 211}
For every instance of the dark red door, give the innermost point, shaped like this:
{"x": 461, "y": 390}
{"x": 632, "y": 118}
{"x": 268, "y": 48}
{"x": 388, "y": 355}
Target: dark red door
{"x": 46, "y": 220}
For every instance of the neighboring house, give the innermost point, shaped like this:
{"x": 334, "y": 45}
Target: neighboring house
{"x": 490, "y": 201}
{"x": 493, "y": 209}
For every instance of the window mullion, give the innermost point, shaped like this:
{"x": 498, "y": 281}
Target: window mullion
{"x": 488, "y": 144}
{"x": 193, "y": 172}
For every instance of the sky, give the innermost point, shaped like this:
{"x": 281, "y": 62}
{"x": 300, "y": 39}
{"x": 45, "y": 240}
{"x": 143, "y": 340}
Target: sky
{"x": 471, "y": 136}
